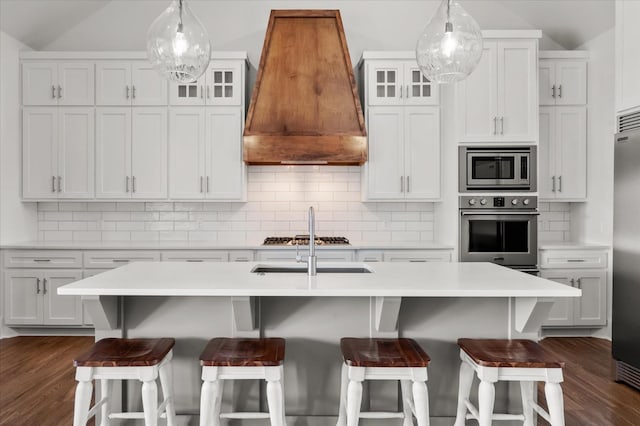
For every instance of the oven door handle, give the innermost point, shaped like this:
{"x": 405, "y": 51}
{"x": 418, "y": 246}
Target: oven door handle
{"x": 500, "y": 212}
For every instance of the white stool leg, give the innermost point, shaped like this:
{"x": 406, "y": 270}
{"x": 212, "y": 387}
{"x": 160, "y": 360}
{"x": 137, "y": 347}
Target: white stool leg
{"x": 464, "y": 388}
{"x": 150, "y": 402}
{"x": 354, "y": 399}
{"x": 274, "y": 401}
{"x": 166, "y": 382}
{"x": 217, "y": 402}
{"x": 526, "y": 389}
{"x": 344, "y": 382}
{"x": 208, "y": 402}
{"x": 106, "y": 387}
{"x": 284, "y": 414}
{"x": 486, "y": 399}
{"x": 553, "y": 393}
{"x": 405, "y": 386}
{"x": 83, "y": 396}
{"x": 421, "y": 402}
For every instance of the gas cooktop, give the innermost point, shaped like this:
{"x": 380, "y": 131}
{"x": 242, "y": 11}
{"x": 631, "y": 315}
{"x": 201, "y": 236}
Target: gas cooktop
{"x": 303, "y": 240}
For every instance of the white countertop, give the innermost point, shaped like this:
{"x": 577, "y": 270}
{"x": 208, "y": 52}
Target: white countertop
{"x": 210, "y": 245}
{"x": 388, "y": 279}
{"x": 571, "y": 245}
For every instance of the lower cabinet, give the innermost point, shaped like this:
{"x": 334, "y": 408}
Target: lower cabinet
{"x": 31, "y": 298}
{"x": 290, "y": 255}
{"x": 589, "y": 310}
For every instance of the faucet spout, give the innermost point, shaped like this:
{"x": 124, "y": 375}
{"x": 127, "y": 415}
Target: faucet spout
{"x": 312, "y": 261}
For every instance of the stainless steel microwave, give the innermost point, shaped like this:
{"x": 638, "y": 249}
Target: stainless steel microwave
{"x": 497, "y": 169}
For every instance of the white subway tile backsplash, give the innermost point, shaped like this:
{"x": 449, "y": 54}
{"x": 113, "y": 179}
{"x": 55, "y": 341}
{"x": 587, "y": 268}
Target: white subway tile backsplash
{"x": 99, "y": 207}
{"x": 116, "y": 216}
{"x": 49, "y": 215}
{"x": 554, "y": 222}
{"x": 86, "y": 235}
{"x": 129, "y": 207}
{"x": 72, "y": 207}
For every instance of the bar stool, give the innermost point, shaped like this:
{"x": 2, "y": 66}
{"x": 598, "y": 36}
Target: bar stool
{"x": 125, "y": 359}
{"x": 242, "y": 359}
{"x": 384, "y": 359}
{"x": 524, "y": 361}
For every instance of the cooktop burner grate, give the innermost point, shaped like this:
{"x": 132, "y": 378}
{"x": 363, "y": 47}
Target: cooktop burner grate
{"x": 303, "y": 240}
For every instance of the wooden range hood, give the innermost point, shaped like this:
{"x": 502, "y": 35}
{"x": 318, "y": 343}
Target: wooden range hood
{"x": 305, "y": 107}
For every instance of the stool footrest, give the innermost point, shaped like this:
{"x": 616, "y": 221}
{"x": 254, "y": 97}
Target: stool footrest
{"x": 244, "y": 415}
{"x": 473, "y": 414}
{"x": 538, "y": 409}
{"x": 381, "y": 415}
{"x": 134, "y": 415}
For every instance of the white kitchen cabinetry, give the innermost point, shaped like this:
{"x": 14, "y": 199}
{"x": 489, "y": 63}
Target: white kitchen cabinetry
{"x": 562, "y": 81}
{"x": 499, "y": 100}
{"x": 582, "y": 269}
{"x": 563, "y": 153}
{"x": 120, "y": 83}
{"x": 221, "y": 84}
{"x": 404, "y": 153}
{"x": 206, "y": 154}
{"x": 131, "y": 157}
{"x": 57, "y": 83}
{"x": 31, "y": 298}
{"x": 627, "y": 57}
{"x": 109, "y": 259}
{"x": 289, "y": 255}
{"x": 58, "y": 147}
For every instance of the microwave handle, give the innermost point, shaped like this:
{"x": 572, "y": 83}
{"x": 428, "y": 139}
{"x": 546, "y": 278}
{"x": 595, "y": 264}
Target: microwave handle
{"x": 500, "y": 212}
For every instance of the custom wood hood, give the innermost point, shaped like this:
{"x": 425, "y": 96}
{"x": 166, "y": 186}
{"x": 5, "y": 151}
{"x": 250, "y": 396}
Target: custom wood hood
{"x": 305, "y": 107}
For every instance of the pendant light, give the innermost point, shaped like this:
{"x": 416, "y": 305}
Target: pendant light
{"x": 450, "y": 46}
{"x": 178, "y": 46}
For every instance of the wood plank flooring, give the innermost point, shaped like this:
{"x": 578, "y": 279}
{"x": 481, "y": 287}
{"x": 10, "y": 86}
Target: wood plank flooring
{"x": 37, "y": 382}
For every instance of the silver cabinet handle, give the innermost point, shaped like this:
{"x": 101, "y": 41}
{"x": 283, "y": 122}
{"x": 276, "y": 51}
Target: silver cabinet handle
{"x": 44, "y": 286}
{"x": 133, "y": 92}
{"x": 201, "y": 184}
{"x": 42, "y": 260}
{"x": 408, "y": 92}
{"x": 495, "y": 125}
{"x": 127, "y": 91}
{"x": 560, "y": 91}
{"x": 400, "y": 91}
{"x": 133, "y": 184}
{"x": 401, "y": 183}
{"x": 195, "y": 260}
{"x": 207, "y": 183}
{"x": 53, "y": 184}
{"x": 59, "y": 183}
{"x": 560, "y": 184}
{"x": 201, "y": 92}
{"x": 553, "y": 91}
{"x": 53, "y": 92}
{"x": 553, "y": 185}
{"x": 126, "y": 185}
{"x": 59, "y": 92}
{"x": 37, "y": 285}
{"x": 576, "y": 260}
{"x": 408, "y": 187}
{"x": 573, "y": 282}
{"x": 579, "y": 281}
{"x": 208, "y": 92}
{"x": 502, "y": 125}
{"x": 120, "y": 260}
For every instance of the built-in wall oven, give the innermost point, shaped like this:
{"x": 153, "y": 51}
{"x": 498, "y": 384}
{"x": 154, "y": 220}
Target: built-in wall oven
{"x": 497, "y": 169}
{"x": 500, "y": 229}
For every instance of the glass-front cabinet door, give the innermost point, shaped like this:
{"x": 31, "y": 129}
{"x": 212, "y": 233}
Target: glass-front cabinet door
{"x": 385, "y": 83}
{"x": 223, "y": 83}
{"x": 419, "y": 90}
{"x": 188, "y": 93}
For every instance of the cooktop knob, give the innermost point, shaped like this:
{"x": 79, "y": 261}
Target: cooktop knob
{"x": 526, "y": 201}
{"x": 472, "y": 202}
{"x": 483, "y": 201}
{"x": 514, "y": 201}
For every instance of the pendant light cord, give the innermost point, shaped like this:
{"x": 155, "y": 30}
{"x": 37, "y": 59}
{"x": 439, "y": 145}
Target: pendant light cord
{"x": 180, "y": 17}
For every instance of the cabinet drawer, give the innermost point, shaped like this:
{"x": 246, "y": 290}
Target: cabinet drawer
{"x": 369, "y": 256}
{"x": 114, "y": 259}
{"x": 241, "y": 256}
{"x": 561, "y": 259}
{"x": 417, "y": 256}
{"x": 42, "y": 259}
{"x": 196, "y": 256}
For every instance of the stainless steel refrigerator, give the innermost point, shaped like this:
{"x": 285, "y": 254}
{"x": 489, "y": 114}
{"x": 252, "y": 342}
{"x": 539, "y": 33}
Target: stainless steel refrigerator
{"x": 626, "y": 251}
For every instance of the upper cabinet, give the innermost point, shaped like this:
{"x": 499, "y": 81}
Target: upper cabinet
{"x": 222, "y": 84}
{"x": 58, "y": 83}
{"x": 498, "y": 102}
{"x": 121, "y": 83}
{"x": 563, "y": 82}
{"x": 627, "y": 57}
{"x": 398, "y": 82}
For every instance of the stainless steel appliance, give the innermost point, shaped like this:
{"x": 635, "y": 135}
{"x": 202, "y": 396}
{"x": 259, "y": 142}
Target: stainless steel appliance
{"x": 497, "y": 169}
{"x": 500, "y": 229}
{"x": 303, "y": 240}
{"x": 626, "y": 251}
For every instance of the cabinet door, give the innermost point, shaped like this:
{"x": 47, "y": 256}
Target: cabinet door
{"x": 418, "y": 89}
{"x": 188, "y": 93}
{"x": 22, "y": 297}
{"x": 61, "y": 310}
{"x": 224, "y": 83}
{"x": 39, "y": 145}
{"x": 591, "y": 308}
{"x": 546, "y": 82}
{"x": 225, "y": 168}
{"x": 571, "y": 83}
{"x": 384, "y": 83}
{"x": 149, "y": 153}
{"x": 113, "y": 83}
{"x": 517, "y": 91}
{"x": 562, "y": 311}
{"x": 477, "y": 100}
{"x": 76, "y": 146}
{"x": 571, "y": 136}
{"x": 186, "y": 153}
{"x": 76, "y": 82}
{"x": 547, "y": 180}
{"x": 422, "y": 152}
{"x": 385, "y": 167}
{"x": 39, "y": 81}
{"x": 148, "y": 86}
{"x": 113, "y": 152}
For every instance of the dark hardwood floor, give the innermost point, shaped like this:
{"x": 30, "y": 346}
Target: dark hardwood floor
{"x": 37, "y": 382}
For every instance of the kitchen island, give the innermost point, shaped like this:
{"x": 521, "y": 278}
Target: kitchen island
{"x": 434, "y": 303}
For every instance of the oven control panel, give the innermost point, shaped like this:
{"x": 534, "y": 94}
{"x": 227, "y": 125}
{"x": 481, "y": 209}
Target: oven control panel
{"x": 510, "y": 202}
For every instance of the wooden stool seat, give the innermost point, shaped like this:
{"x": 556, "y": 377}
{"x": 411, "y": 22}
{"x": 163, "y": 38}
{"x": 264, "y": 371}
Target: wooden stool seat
{"x": 125, "y": 353}
{"x": 226, "y": 352}
{"x": 517, "y": 353}
{"x": 383, "y": 353}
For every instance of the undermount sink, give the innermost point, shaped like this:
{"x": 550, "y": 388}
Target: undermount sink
{"x": 335, "y": 269}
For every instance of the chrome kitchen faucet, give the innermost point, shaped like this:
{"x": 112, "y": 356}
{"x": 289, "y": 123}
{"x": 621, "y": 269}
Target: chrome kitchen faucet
{"x": 312, "y": 260}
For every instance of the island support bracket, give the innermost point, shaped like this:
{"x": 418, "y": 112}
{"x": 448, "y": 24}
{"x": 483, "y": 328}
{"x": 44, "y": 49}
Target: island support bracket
{"x": 243, "y": 309}
{"x": 103, "y": 310}
{"x": 531, "y": 312}
{"x": 385, "y": 310}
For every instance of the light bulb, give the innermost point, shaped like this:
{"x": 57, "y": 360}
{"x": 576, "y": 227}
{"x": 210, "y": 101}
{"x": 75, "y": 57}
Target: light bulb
{"x": 180, "y": 44}
{"x": 449, "y": 44}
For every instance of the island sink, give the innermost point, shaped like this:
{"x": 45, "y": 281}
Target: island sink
{"x": 354, "y": 269}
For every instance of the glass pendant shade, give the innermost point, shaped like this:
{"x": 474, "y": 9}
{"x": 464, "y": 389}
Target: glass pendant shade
{"x": 178, "y": 46}
{"x": 450, "y": 46}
